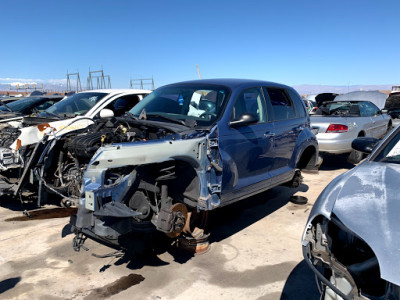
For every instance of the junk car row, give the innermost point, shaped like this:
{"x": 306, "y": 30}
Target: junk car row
{"x": 136, "y": 162}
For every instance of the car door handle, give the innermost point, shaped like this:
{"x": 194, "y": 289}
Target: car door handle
{"x": 269, "y": 134}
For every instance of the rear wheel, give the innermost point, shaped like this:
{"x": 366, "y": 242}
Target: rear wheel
{"x": 356, "y": 156}
{"x": 390, "y": 127}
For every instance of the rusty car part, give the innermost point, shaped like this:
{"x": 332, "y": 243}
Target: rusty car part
{"x": 181, "y": 214}
{"x": 197, "y": 245}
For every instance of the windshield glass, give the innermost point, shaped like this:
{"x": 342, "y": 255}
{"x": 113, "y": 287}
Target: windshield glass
{"x": 201, "y": 103}
{"x": 391, "y": 152}
{"x": 20, "y": 104}
{"x": 78, "y": 104}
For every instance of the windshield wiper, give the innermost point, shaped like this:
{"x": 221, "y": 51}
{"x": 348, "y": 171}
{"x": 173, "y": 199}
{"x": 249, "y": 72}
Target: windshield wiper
{"x": 167, "y": 118}
{"x": 6, "y": 106}
{"x": 52, "y": 114}
{"x": 129, "y": 114}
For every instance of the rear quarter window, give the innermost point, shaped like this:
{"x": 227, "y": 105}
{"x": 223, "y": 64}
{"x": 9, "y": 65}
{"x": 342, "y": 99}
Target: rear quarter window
{"x": 298, "y": 105}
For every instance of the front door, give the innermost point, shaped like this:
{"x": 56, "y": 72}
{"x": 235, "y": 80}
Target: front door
{"x": 248, "y": 150}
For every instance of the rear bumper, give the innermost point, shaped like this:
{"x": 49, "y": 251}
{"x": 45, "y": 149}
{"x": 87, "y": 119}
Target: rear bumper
{"x": 335, "y": 146}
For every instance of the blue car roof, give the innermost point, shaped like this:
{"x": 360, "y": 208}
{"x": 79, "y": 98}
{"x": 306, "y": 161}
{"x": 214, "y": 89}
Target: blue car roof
{"x": 232, "y": 83}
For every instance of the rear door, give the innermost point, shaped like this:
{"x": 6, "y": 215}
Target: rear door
{"x": 289, "y": 118}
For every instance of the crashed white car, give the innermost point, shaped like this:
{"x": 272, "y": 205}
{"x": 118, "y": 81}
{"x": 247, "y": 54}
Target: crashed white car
{"x": 27, "y": 144}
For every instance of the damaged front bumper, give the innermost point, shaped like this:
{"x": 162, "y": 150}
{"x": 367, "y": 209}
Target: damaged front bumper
{"x": 10, "y": 161}
{"x": 148, "y": 196}
{"x": 344, "y": 263}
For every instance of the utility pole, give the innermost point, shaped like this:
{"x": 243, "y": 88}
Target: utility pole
{"x": 198, "y": 71}
{"x": 141, "y": 82}
{"x": 100, "y": 80}
{"x": 78, "y": 82}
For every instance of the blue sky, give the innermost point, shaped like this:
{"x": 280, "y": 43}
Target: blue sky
{"x": 291, "y": 42}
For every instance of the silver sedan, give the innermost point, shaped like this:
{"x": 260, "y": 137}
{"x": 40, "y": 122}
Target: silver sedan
{"x": 338, "y": 123}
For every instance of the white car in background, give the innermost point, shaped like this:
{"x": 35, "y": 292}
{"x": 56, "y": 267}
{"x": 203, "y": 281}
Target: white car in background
{"x": 23, "y": 142}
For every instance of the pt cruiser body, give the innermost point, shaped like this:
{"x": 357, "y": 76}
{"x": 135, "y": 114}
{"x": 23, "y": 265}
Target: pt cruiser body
{"x": 352, "y": 237}
{"x": 192, "y": 147}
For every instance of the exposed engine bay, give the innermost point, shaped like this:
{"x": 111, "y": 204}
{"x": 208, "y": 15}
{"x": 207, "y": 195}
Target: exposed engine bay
{"x": 59, "y": 163}
{"x": 347, "y": 265}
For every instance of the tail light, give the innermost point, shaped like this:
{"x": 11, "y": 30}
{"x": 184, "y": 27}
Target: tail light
{"x": 337, "y": 128}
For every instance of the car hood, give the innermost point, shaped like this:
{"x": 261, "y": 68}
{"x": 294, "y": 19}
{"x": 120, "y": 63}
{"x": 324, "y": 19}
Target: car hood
{"x": 366, "y": 200}
{"x": 34, "y": 134}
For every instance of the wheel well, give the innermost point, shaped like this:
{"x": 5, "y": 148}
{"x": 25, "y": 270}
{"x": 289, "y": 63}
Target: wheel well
{"x": 180, "y": 177}
{"x": 308, "y": 158}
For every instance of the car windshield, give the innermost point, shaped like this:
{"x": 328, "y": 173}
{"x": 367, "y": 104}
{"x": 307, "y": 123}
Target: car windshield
{"x": 200, "y": 103}
{"x": 20, "y": 105}
{"x": 78, "y": 104}
{"x": 390, "y": 153}
{"x": 339, "y": 108}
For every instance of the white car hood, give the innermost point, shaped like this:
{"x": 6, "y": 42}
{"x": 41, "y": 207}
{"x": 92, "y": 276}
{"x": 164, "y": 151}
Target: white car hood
{"x": 34, "y": 134}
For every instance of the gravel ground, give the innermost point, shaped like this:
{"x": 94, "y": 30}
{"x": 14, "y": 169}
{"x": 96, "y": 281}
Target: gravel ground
{"x": 255, "y": 253}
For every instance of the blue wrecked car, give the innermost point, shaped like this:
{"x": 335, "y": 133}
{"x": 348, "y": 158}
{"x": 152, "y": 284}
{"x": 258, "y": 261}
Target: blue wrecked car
{"x": 186, "y": 149}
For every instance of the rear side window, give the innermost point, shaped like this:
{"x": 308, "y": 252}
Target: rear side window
{"x": 282, "y": 105}
{"x": 301, "y": 111}
{"x": 250, "y": 101}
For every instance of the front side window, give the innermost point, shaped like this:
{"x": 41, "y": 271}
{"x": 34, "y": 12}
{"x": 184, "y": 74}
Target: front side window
{"x": 368, "y": 109}
{"x": 282, "y": 106}
{"x": 250, "y": 101}
{"x": 201, "y": 103}
{"x": 123, "y": 104}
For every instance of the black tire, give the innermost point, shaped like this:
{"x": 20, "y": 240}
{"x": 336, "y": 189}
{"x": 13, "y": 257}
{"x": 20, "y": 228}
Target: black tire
{"x": 390, "y": 127}
{"x": 355, "y": 157}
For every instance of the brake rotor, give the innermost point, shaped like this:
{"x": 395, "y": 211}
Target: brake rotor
{"x": 195, "y": 240}
{"x": 179, "y": 208}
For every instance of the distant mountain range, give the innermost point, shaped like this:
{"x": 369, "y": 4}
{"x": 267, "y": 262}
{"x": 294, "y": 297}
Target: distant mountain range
{"x": 46, "y": 86}
{"x": 311, "y": 89}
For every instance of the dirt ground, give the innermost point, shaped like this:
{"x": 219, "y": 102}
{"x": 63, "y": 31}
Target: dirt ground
{"x": 255, "y": 253}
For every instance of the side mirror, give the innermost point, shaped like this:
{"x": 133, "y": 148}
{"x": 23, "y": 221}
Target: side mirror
{"x": 244, "y": 119}
{"x": 106, "y": 113}
{"x": 364, "y": 144}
